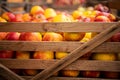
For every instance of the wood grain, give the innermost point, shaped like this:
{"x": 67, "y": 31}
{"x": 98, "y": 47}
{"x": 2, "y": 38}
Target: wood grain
{"x": 66, "y": 46}
{"x": 77, "y": 65}
{"x": 55, "y": 27}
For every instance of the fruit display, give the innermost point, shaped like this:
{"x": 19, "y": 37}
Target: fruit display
{"x": 38, "y": 14}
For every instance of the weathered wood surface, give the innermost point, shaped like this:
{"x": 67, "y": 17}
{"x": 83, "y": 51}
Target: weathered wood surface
{"x": 78, "y": 52}
{"x": 55, "y": 27}
{"x": 69, "y": 78}
{"x": 67, "y": 46}
{"x": 8, "y": 74}
{"x": 77, "y": 65}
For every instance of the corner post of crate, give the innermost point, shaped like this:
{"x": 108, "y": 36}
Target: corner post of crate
{"x": 78, "y": 52}
{"x": 8, "y": 74}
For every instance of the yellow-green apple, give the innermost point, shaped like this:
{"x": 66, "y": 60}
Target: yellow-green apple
{"x": 90, "y": 74}
{"x": 9, "y": 16}
{"x": 59, "y": 55}
{"x": 111, "y": 75}
{"x": 70, "y": 73}
{"x": 30, "y": 72}
{"x": 116, "y": 37}
{"x": 73, "y": 36}
{"x": 43, "y": 55}
{"x": 52, "y": 36}
{"x": 30, "y": 36}
{"x": 3, "y": 35}
{"x": 104, "y": 56}
{"x": 6, "y": 54}
{"x": 22, "y": 55}
{"x": 12, "y": 36}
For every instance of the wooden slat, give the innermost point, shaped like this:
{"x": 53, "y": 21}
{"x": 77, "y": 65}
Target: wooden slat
{"x": 66, "y": 46}
{"x": 8, "y": 74}
{"x": 69, "y": 78}
{"x": 55, "y": 27}
{"x": 93, "y": 65}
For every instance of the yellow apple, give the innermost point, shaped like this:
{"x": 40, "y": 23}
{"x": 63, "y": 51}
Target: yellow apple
{"x": 30, "y": 72}
{"x": 70, "y": 73}
{"x": 59, "y": 55}
{"x": 104, "y": 56}
{"x": 73, "y": 36}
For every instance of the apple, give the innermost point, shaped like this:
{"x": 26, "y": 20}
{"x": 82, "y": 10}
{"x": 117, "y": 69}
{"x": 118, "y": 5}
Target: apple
{"x": 26, "y": 17}
{"x": 6, "y": 54}
{"x": 101, "y": 8}
{"x": 46, "y": 55}
{"x": 111, "y": 75}
{"x": 116, "y": 37}
{"x": 9, "y": 16}
{"x": 3, "y": 35}
{"x": 69, "y": 73}
{"x": 86, "y": 56}
{"x": 104, "y": 56}
{"x": 36, "y": 10}
{"x": 12, "y": 36}
{"x": 73, "y": 36}
{"x": 2, "y": 19}
{"x": 19, "y": 17}
{"x": 30, "y": 36}
{"x": 52, "y": 36}
{"x": 59, "y": 55}
{"x": 90, "y": 74}
{"x": 102, "y": 19}
{"x": 30, "y": 72}
{"x": 22, "y": 55}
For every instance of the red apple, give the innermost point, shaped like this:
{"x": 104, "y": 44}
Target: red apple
{"x": 52, "y": 36}
{"x": 30, "y": 36}
{"x": 9, "y": 16}
{"x": 116, "y": 37}
{"x": 90, "y": 74}
{"x": 101, "y": 8}
{"x": 111, "y": 75}
{"x": 22, "y": 55}
{"x": 43, "y": 55}
{"x": 12, "y": 36}
{"x": 3, "y": 35}
{"x": 6, "y": 54}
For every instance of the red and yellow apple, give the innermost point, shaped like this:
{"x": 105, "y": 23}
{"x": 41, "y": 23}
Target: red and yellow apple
{"x": 52, "y": 36}
{"x": 30, "y": 36}
{"x": 22, "y": 55}
{"x": 36, "y": 10}
{"x": 12, "y": 36}
{"x": 116, "y": 37}
{"x": 3, "y": 35}
{"x": 90, "y": 74}
{"x": 43, "y": 55}
{"x": 9, "y": 16}
{"x": 6, "y": 54}
{"x": 26, "y": 17}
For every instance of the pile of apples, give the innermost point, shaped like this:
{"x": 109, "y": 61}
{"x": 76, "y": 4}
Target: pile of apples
{"x": 98, "y": 13}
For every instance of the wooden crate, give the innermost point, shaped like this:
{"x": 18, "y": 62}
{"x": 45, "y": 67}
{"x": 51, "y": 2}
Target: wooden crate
{"x": 92, "y": 65}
